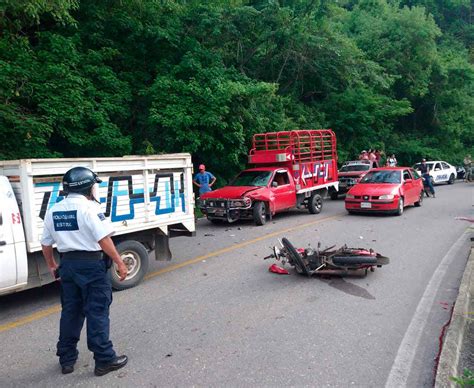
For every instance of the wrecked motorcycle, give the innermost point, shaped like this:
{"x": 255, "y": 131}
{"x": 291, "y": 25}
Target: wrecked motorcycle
{"x": 309, "y": 261}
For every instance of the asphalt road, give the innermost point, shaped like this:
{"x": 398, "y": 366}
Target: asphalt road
{"x": 215, "y": 316}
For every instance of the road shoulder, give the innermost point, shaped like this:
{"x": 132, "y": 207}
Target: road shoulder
{"x": 449, "y": 362}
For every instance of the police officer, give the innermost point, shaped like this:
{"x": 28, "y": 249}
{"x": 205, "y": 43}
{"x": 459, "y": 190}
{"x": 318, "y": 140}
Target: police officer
{"x": 81, "y": 234}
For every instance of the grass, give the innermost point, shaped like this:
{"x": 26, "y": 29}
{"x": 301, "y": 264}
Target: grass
{"x": 466, "y": 380}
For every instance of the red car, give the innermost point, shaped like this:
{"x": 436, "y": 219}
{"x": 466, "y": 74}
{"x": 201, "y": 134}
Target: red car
{"x": 387, "y": 189}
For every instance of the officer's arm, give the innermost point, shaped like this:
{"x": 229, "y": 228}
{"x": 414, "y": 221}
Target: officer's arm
{"x": 49, "y": 257}
{"x": 108, "y": 247}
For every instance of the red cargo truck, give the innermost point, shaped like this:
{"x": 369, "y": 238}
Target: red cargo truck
{"x": 288, "y": 169}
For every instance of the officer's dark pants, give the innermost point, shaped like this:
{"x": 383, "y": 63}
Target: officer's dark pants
{"x": 86, "y": 292}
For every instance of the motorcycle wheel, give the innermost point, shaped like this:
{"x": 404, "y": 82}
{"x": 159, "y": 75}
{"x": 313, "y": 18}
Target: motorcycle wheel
{"x": 295, "y": 256}
{"x": 353, "y": 260}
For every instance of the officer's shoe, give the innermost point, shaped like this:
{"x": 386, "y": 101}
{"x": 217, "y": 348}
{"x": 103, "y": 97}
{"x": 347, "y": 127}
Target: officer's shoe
{"x": 116, "y": 363}
{"x": 66, "y": 369}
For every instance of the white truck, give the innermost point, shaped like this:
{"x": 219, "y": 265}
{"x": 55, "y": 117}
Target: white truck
{"x": 148, "y": 199}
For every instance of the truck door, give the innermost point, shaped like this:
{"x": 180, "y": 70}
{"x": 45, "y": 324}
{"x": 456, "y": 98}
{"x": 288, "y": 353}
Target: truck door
{"x": 283, "y": 191}
{"x": 13, "y": 257}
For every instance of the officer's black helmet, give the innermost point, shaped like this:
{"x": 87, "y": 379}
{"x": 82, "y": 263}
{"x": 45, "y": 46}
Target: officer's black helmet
{"x": 79, "y": 180}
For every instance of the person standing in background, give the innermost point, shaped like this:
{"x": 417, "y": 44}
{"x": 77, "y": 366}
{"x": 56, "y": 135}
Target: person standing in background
{"x": 467, "y": 162}
{"x": 204, "y": 180}
{"x": 378, "y": 157}
{"x": 372, "y": 159}
{"x": 391, "y": 161}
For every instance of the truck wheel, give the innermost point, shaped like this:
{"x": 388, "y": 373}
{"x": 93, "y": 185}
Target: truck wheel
{"x": 315, "y": 203}
{"x": 135, "y": 257}
{"x": 260, "y": 213}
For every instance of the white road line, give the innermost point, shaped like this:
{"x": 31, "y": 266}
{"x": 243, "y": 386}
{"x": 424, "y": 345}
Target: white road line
{"x": 402, "y": 365}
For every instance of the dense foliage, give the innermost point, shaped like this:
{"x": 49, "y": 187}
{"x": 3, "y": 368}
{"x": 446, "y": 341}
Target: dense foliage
{"x": 114, "y": 77}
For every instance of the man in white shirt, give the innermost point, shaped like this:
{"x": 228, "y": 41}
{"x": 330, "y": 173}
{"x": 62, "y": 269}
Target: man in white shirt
{"x": 82, "y": 235}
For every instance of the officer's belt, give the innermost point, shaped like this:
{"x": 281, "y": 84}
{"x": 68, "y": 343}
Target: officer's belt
{"x": 82, "y": 255}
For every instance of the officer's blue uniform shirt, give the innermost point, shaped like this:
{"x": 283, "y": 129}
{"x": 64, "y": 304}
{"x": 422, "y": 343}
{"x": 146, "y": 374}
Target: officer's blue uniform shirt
{"x": 75, "y": 224}
{"x": 204, "y": 178}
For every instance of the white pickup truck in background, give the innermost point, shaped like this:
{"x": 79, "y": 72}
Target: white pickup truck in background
{"x": 148, "y": 199}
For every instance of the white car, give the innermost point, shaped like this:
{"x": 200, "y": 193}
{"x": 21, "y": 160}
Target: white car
{"x": 440, "y": 171}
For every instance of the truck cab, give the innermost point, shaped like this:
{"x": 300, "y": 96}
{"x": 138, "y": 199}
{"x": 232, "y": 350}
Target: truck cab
{"x": 13, "y": 256}
{"x": 350, "y": 173}
{"x": 270, "y": 185}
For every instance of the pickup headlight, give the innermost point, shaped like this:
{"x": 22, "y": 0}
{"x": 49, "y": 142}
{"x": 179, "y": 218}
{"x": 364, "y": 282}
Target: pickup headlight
{"x": 244, "y": 202}
{"x": 349, "y": 196}
{"x": 387, "y": 196}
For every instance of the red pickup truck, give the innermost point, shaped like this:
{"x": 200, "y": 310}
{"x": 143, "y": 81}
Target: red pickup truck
{"x": 289, "y": 169}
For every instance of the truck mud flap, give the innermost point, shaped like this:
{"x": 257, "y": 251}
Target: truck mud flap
{"x": 162, "y": 247}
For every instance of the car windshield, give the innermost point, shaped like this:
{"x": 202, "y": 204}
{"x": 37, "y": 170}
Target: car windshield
{"x": 355, "y": 167}
{"x": 252, "y": 178}
{"x": 386, "y": 176}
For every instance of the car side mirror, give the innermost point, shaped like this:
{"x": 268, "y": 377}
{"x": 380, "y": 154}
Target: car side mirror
{"x": 274, "y": 184}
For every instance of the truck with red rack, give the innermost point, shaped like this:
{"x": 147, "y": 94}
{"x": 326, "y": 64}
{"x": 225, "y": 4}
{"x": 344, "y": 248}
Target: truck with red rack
{"x": 287, "y": 169}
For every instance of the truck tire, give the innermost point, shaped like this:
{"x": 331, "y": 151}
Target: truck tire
{"x": 260, "y": 213}
{"x": 315, "y": 203}
{"x": 135, "y": 256}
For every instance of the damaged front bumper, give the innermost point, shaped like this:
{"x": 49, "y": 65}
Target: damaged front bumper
{"x": 225, "y": 209}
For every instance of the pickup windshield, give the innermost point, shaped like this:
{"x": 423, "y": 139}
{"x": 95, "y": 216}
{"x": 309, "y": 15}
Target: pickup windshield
{"x": 382, "y": 177}
{"x": 252, "y": 178}
{"x": 355, "y": 167}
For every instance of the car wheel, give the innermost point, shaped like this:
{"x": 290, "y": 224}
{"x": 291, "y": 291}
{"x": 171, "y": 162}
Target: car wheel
{"x": 350, "y": 211}
{"x": 451, "y": 179}
{"x": 260, "y": 213}
{"x": 400, "y": 207}
{"x": 420, "y": 200}
{"x": 315, "y": 203}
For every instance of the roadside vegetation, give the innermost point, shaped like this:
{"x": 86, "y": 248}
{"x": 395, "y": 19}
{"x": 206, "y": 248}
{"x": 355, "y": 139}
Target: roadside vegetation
{"x": 110, "y": 77}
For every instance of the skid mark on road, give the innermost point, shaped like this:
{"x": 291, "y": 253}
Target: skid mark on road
{"x": 350, "y": 288}
{"x": 56, "y": 308}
